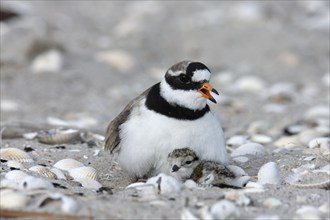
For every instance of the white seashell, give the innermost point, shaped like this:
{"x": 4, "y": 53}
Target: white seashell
{"x": 15, "y": 154}
{"x": 58, "y": 136}
{"x": 237, "y": 140}
{"x": 241, "y": 159}
{"x": 133, "y": 185}
{"x": 307, "y": 135}
{"x": 261, "y": 139}
{"x": 12, "y": 200}
{"x": 118, "y": 59}
{"x": 59, "y": 174}
{"x": 321, "y": 142}
{"x": 287, "y": 142}
{"x": 49, "y": 61}
{"x": 31, "y": 183}
{"x": 325, "y": 208}
{"x": 249, "y": 84}
{"x": 30, "y": 136}
{"x": 15, "y": 164}
{"x": 225, "y": 210}
{"x": 89, "y": 183}
{"x": 187, "y": 215}
{"x": 190, "y": 184}
{"x": 271, "y": 203}
{"x": 43, "y": 171}
{"x": 238, "y": 197}
{"x": 267, "y": 217}
{"x": 68, "y": 164}
{"x": 248, "y": 149}
{"x": 269, "y": 174}
{"x": 308, "y": 212}
{"x": 16, "y": 175}
{"x": 165, "y": 184}
{"x": 83, "y": 172}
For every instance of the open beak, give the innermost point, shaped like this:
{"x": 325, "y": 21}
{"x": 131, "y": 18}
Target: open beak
{"x": 205, "y": 91}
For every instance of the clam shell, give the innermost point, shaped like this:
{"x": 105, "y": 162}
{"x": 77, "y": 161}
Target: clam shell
{"x": 16, "y": 175}
{"x": 58, "y": 136}
{"x": 15, "y": 154}
{"x": 12, "y": 200}
{"x": 43, "y": 171}
{"x": 68, "y": 164}
{"x": 89, "y": 183}
{"x": 269, "y": 174}
{"x": 83, "y": 172}
{"x": 59, "y": 174}
{"x": 15, "y": 164}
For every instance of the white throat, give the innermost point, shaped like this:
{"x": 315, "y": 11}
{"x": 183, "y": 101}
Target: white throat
{"x": 190, "y": 99}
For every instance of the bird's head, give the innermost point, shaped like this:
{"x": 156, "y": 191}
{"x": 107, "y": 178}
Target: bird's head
{"x": 187, "y": 84}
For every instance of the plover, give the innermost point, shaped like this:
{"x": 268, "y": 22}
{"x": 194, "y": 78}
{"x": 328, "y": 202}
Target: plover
{"x": 182, "y": 162}
{"x": 173, "y": 112}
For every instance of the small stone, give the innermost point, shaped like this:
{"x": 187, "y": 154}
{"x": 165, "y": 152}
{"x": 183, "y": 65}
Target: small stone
{"x": 287, "y": 142}
{"x": 308, "y": 213}
{"x": 7, "y": 105}
{"x": 321, "y": 142}
{"x": 118, "y": 59}
{"x": 238, "y": 197}
{"x": 261, "y": 139}
{"x": 271, "y": 203}
{"x": 320, "y": 111}
{"x": 307, "y": 135}
{"x": 12, "y": 200}
{"x": 325, "y": 208}
{"x": 249, "y": 149}
{"x": 237, "y": 140}
{"x": 274, "y": 108}
{"x": 225, "y": 210}
{"x": 281, "y": 92}
{"x": 190, "y": 184}
{"x": 49, "y": 61}
{"x": 269, "y": 174}
{"x": 249, "y": 84}
{"x": 241, "y": 159}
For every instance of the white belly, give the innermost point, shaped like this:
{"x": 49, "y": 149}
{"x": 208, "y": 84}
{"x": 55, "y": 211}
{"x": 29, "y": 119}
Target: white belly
{"x": 148, "y": 137}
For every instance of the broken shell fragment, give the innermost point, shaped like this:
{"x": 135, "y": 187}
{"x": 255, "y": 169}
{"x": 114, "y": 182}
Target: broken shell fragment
{"x": 58, "y": 136}
{"x": 269, "y": 174}
{"x": 68, "y": 164}
{"x": 43, "y": 171}
{"x": 15, "y": 154}
{"x": 83, "y": 172}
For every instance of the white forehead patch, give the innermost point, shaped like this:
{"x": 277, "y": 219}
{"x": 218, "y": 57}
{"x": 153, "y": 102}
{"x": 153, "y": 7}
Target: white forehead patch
{"x": 176, "y": 73}
{"x": 200, "y": 75}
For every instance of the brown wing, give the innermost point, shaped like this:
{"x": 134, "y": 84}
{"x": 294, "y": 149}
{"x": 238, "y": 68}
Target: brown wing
{"x": 112, "y": 135}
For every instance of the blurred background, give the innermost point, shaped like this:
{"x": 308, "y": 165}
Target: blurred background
{"x": 79, "y": 62}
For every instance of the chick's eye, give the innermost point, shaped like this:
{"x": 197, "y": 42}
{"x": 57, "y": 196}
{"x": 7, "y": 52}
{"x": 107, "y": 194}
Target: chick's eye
{"x": 184, "y": 78}
{"x": 188, "y": 162}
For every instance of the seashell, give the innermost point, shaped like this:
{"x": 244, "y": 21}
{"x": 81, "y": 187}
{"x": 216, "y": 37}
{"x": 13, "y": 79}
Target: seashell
{"x": 241, "y": 159}
{"x": 58, "y": 136}
{"x": 49, "y": 61}
{"x": 59, "y": 174}
{"x": 31, "y": 183}
{"x": 225, "y": 210}
{"x": 321, "y": 142}
{"x": 16, "y": 175}
{"x": 269, "y": 174}
{"x": 237, "y": 140}
{"x": 307, "y": 135}
{"x": 15, "y": 164}
{"x": 248, "y": 149}
{"x": 89, "y": 183}
{"x": 15, "y": 154}
{"x": 238, "y": 197}
{"x": 261, "y": 139}
{"x": 67, "y": 164}
{"x": 43, "y": 171}
{"x": 271, "y": 203}
{"x": 287, "y": 142}
{"x": 267, "y": 217}
{"x": 190, "y": 184}
{"x": 83, "y": 172}
{"x": 249, "y": 84}
{"x": 308, "y": 212}
{"x": 12, "y": 200}
{"x": 187, "y": 215}
{"x": 165, "y": 184}
{"x": 30, "y": 136}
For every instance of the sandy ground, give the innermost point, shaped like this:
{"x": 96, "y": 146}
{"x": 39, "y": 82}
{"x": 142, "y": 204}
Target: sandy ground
{"x": 110, "y": 52}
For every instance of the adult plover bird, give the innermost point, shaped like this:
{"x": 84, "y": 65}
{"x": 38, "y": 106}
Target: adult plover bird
{"x": 182, "y": 163}
{"x": 170, "y": 114}
{"x": 209, "y": 173}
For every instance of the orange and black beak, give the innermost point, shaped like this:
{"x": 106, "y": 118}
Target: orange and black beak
{"x": 205, "y": 91}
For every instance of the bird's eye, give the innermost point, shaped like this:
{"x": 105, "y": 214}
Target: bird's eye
{"x": 188, "y": 162}
{"x": 184, "y": 78}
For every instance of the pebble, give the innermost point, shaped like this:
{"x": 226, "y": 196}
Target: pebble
{"x": 274, "y": 108}
{"x": 321, "y": 142}
{"x": 308, "y": 213}
{"x": 249, "y": 149}
{"x": 281, "y": 92}
{"x": 269, "y": 174}
{"x": 319, "y": 111}
{"x": 249, "y": 84}
{"x": 119, "y": 59}
{"x": 49, "y": 61}
{"x": 237, "y": 140}
{"x": 225, "y": 209}
{"x": 187, "y": 215}
{"x": 241, "y": 159}
{"x": 325, "y": 208}
{"x": 287, "y": 142}
{"x": 7, "y": 105}
{"x": 12, "y": 200}
{"x": 190, "y": 184}
{"x": 238, "y": 197}
{"x": 166, "y": 184}
{"x": 261, "y": 139}
{"x": 307, "y": 135}
{"x": 271, "y": 203}
{"x": 15, "y": 164}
